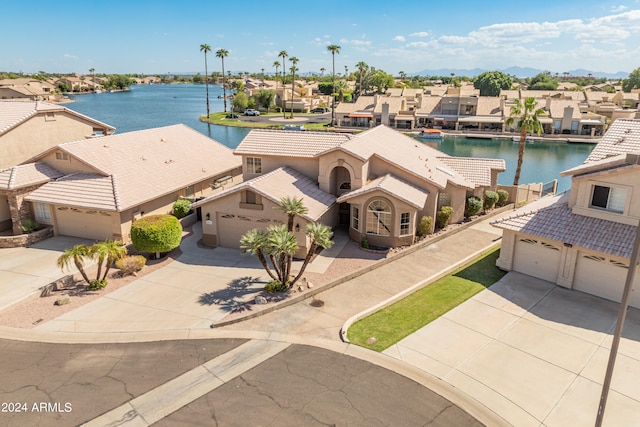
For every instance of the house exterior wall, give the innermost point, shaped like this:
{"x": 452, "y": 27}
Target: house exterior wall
{"x": 308, "y": 167}
{"x": 582, "y": 190}
{"x": 5, "y": 213}
{"x": 68, "y": 166}
{"x": 39, "y": 133}
{"x": 358, "y": 170}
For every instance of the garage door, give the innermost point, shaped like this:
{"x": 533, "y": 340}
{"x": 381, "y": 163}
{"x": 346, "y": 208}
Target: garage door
{"x": 90, "y": 224}
{"x": 604, "y": 277}
{"x": 537, "y": 258}
{"x": 231, "y": 228}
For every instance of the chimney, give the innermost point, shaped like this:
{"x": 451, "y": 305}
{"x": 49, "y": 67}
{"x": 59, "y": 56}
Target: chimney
{"x": 385, "y": 114}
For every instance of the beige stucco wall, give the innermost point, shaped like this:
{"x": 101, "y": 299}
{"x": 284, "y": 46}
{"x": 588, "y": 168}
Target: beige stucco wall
{"x": 327, "y": 163}
{"x": 581, "y": 191}
{"x": 40, "y": 133}
{"x": 308, "y": 167}
{"x": 5, "y": 213}
{"x": 71, "y": 165}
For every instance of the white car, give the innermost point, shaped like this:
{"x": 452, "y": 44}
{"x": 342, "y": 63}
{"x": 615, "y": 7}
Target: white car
{"x": 251, "y": 112}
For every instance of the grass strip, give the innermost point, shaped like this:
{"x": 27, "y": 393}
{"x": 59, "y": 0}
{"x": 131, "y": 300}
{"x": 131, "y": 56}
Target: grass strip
{"x": 220, "y": 119}
{"x": 395, "y": 322}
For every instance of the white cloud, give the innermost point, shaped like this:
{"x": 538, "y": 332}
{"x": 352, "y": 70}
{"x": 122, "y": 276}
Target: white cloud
{"x": 398, "y": 39}
{"x": 69, "y": 56}
{"x": 419, "y": 34}
{"x": 619, "y": 8}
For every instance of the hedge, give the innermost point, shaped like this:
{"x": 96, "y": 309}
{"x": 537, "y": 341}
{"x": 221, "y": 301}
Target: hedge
{"x": 472, "y": 207}
{"x": 156, "y": 233}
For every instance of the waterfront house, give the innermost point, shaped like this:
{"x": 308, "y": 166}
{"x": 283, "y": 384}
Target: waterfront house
{"x": 378, "y": 184}
{"x": 26, "y": 88}
{"x": 582, "y": 239}
{"x": 108, "y": 182}
{"x": 28, "y": 128}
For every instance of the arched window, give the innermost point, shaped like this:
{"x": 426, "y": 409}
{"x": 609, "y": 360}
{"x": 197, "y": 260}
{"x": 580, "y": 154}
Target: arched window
{"x": 379, "y": 218}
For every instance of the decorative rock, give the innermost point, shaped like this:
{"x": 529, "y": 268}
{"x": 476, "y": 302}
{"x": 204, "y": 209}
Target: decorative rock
{"x": 372, "y": 340}
{"x": 260, "y": 300}
{"x": 63, "y": 300}
{"x": 309, "y": 285}
{"x": 300, "y": 288}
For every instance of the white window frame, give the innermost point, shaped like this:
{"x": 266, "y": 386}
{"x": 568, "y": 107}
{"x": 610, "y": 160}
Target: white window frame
{"x": 254, "y": 165}
{"x": 355, "y": 218}
{"x": 405, "y": 224}
{"x": 382, "y": 216}
{"x": 616, "y": 198}
{"x": 41, "y": 212}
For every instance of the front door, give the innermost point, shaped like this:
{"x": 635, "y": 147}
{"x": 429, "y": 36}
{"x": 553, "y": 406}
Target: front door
{"x": 343, "y": 214}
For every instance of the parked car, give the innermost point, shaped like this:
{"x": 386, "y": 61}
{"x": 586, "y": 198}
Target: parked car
{"x": 321, "y": 110}
{"x": 251, "y": 112}
{"x": 231, "y": 116}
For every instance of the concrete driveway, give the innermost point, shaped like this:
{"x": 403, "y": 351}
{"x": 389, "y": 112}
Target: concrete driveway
{"x": 534, "y": 353}
{"x": 25, "y": 270}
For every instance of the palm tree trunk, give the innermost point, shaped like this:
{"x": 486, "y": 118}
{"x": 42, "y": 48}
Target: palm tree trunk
{"x": 80, "y": 268}
{"x": 206, "y": 82}
{"x": 307, "y": 259}
{"x": 224, "y": 88}
{"x": 264, "y": 263}
{"x": 523, "y": 138}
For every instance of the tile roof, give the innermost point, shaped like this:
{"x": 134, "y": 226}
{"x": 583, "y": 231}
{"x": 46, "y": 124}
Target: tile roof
{"x": 14, "y": 112}
{"x": 430, "y": 105}
{"x": 150, "y": 163}
{"x": 26, "y": 175}
{"x": 475, "y": 170}
{"x": 393, "y": 186}
{"x": 558, "y": 223}
{"x": 83, "y": 190}
{"x": 361, "y": 104}
{"x": 557, "y": 108}
{"x": 405, "y": 153}
{"x": 280, "y": 183}
{"x": 266, "y": 142}
{"x": 623, "y": 136}
{"x": 489, "y": 106}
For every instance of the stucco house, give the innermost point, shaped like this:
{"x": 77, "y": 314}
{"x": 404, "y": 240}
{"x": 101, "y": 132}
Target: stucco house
{"x": 100, "y": 186}
{"x": 28, "y": 128}
{"x": 583, "y": 240}
{"x": 26, "y": 88}
{"x": 378, "y": 184}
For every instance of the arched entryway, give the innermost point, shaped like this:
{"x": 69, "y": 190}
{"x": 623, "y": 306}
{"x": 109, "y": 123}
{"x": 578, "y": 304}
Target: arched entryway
{"x": 339, "y": 184}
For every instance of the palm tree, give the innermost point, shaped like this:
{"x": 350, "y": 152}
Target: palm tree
{"x": 322, "y": 70}
{"x": 294, "y": 61}
{"x": 362, "y": 67}
{"x": 341, "y": 88}
{"x": 526, "y": 119}
{"x": 281, "y": 246}
{"x": 283, "y": 54}
{"x": 254, "y": 242}
{"x": 277, "y": 65}
{"x": 223, "y": 53}
{"x": 292, "y": 207}
{"x": 206, "y": 48}
{"x": 109, "y": 251}
{"x": 320, "y": 237}
{"x": 93, "y": 77}
{"x": 346, "y": 71}
{"x": 333, "y": 48}
{"x": 77, "y": 254}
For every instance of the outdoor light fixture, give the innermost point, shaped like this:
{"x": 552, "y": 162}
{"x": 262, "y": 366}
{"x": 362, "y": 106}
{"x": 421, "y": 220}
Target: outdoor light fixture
{"x": 297, "y": 227}
{"x": 208, "y": 216}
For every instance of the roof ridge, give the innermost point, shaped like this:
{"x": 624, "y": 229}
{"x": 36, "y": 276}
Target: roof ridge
{"x": 12, "y": 177}
{"x": 116, "y": 193}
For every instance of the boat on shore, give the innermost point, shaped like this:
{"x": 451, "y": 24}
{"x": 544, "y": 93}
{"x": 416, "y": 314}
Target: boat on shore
{"x": 430, "y": 134}
{"x": 527, "y": 140}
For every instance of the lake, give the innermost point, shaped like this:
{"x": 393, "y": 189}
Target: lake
{"x": 150, "y": 106}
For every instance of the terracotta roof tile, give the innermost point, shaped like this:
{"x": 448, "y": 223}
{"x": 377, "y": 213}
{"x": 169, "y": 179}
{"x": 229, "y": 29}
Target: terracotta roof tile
{"x": 26, "y": 175}
{"x": 558, "y": 223}
{"x": 622, "y": 137}
{"x": 280, "y": 183}
{"x": 84, "y": 190}
{"x": 289, "y": 143}
{"x": 393, "y": 186}
{"x": 475, "y": 170}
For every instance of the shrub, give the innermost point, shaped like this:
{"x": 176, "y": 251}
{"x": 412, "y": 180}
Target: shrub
{"x": 490, "y": 200}
{"x": 156, "y": 233}
{"x": 275, "y": 286}
{"x": 443, "y": 216}
{"x": 97, "y": 284}
{"x": 472, "y": 207}
{"x": 131, "y": 264}
{"x": 364, "y": 242}
{"x": 425, "y": 226}
{"x": 503, "y": 197}
{"x": 29, "y": 226}
{"x": 181, "y": 208}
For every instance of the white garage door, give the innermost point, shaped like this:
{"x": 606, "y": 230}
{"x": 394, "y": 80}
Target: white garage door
{"x": 231, "y": 228}
{"x": 537, "y": 258}
{"x": 90, "y": 224}
{"x": 604, "y": 277}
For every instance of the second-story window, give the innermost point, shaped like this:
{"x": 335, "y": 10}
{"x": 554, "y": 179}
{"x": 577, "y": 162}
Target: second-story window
{"x": 610, "y": 198}
{"x": 254, "y": 165}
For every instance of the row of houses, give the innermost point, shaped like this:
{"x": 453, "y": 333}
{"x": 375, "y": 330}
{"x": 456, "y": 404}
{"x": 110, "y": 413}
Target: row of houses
{"x": 47, "y": 90}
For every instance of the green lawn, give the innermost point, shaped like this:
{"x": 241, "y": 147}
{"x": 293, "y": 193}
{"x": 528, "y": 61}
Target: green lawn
{"x": 220, "y": 119}
{"x": 406, "y": 316}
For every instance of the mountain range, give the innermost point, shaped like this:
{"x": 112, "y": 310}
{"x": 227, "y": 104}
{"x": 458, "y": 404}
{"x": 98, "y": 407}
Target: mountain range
{"x": 521, "y": 72}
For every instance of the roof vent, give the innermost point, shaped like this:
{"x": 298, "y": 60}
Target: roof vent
{"x": 163, "y": 140}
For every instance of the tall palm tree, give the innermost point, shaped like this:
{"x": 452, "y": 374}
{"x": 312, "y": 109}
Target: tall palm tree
{"x": 320, "y": 237}
{"x": 223, "y": 53}
{"x": 277, "y": 65}
{"x": 341, "y": 88}
{"x": 525, "y": 116}
{"x": 93, "y": 77}
{"x": 294, "y": 61}
{"x": 333, "y": 48}
{"x": 362, "y": 67}
{"x": 281, "y": 246}
{"x": 292, "y": 207}
{"x": 284, "y": 55}
{"x": 322, "y": 70}
{"x": 77, "y": 254}
{"x": 206, "y": 48}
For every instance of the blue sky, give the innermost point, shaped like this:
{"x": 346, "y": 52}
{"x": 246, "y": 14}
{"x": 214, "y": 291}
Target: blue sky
{"x": 130, "y": 36}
